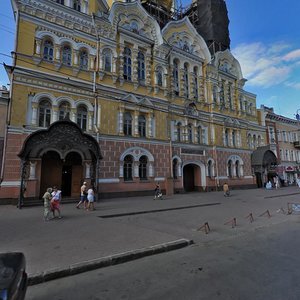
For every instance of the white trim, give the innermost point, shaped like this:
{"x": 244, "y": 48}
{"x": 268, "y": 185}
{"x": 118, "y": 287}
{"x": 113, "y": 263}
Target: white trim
{"x": 222, "y": 177}
{"x": 159, "y": 178}
{"x": 248, "y": 177}
{"x": 109, "y": 180}
{"x": 11, "y": 183}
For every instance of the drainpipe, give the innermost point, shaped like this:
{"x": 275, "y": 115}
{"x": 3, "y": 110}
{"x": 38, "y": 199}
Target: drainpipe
{"x": 96, "y": 102}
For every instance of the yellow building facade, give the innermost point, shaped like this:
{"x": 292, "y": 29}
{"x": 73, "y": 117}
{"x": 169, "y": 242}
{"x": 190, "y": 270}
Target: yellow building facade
{"x": 101, "y": 93}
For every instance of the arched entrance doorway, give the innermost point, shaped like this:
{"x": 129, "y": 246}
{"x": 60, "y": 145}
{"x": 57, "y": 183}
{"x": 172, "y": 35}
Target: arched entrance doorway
{"x": 61, "y": 155}
{"x": 194, "y": 177}
{"x": 264, "y": 163}
{"x": 189, "y": 178}
{"x": 66, "y": 174}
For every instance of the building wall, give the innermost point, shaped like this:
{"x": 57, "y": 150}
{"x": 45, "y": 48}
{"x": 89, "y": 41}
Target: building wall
{"x": 209, "y": 117}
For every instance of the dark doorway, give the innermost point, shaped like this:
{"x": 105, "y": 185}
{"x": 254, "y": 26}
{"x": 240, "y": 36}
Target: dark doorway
{"x": 51, "y": 171}
{"x": 66, "y": 181}
{"x": 189, "y": 178}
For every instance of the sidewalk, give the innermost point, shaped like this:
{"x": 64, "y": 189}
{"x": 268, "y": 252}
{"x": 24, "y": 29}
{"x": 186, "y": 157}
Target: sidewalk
{"x": 146, "y": 226}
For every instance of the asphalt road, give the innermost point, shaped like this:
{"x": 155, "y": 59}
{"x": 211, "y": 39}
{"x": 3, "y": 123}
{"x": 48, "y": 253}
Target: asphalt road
{"x": 262, "y": 264}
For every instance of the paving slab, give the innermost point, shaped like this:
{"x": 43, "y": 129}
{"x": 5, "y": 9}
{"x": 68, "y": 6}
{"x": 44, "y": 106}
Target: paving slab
{"x": 126, "y": 225}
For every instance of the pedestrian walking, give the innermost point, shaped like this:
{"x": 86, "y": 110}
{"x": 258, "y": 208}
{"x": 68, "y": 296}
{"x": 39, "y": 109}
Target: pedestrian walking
{"x": 83, "y": 196}
{"x": 55, "y": 201}
{"x": 47, "y": 199}
{"x": 276, "y": 182}
{"x": 226, "y": 190}
{"x": 157, "y": 192}
{"x": 91, "y": 199}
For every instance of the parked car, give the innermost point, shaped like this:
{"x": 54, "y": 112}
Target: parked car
{"x": 13, "y": 277}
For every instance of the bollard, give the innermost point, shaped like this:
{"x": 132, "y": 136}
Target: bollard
{"x": 206, "y": 228}
{"x": 232, "y": 222}
{"x": 250, "y": 216}
{"x": 266, "y": 213}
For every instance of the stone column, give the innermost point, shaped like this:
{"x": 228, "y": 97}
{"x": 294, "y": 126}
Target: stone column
{"x": 57, "y": 52}
{"x": 90, "y": 121}
{"x": 148, "y": 69}
{"x": 38, "y": 43}
{"x": 121, "y": 169}
{"x": 151, "y": 170}
{"x": 73, "y": 115}
{"x": 54, "y": 116}
{"x": 149, "y": 133}
{"x": 134, "y": 60}
{"x": 136, "y": 123}
{"x": 136, "y": 168}
{"x": 92, "y": 62}
{"x": 121, "y": 64}
{"x": 76, "y": 55}
{"x": 34, "y": 120}
{"x": 120, "y": 117}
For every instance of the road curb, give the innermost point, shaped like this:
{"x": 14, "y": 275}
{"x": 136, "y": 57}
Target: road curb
{"x": 106, "y": 261}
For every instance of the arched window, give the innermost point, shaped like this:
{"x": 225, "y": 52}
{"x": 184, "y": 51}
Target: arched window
{"x": 241, "y": 103}
{"x": 229, "y": 88}
{"x": 195, "y": 83}
{"x": 199, "y": 135}
{"x": 229, "y": 168}
{"x": 127, "y": 124}
{"x": 134, "y": 27}
{"x": 215, "y": 94}
{"x": 142, "y": 126}
{"x": 77, "y": 5}
{"x": 82, "y": 117}
{"x": 127, "y": 168}
{"x": 249, "y": 142}
{"x": 64, "y": 109}
{"x": 190, "y": 133}
{"x": 159, "y": 74}
{"x": 143, "y": 168}
{"x": 210, "y": 169}
{"x": 179, "y": 132}
{"x": 259, "y": 141}
{"x": 226, "y": 138}
{"x": 83, "y": 60}
{"x": 127, "y": 64}
{"x": 233, "y": 138}
{"x": 176, "y": 77}
{"x": 186, "y": 80}
{"x": 222, "y": 95}
{"x": 44, "y": 113}
{"x": 237, "y": 168}
{"x": 107, "y": 55}
{"x": 141, "y": 66}
{"x": 67, "y": 55}
{"x": 254, "y": 141}
{"x": 175, "y": 166}
{"x": 48, "y": 50}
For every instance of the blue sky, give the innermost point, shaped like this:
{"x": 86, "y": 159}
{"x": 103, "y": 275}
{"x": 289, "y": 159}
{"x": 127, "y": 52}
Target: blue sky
{"x": 264, "y": 38}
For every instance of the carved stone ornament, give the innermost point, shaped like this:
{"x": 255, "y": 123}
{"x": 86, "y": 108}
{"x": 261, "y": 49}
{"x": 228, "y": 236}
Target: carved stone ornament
{"x": 63, "y": 136}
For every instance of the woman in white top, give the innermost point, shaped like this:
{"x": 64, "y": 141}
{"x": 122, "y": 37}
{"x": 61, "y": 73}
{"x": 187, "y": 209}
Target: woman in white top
{"x": 90, "y": 197}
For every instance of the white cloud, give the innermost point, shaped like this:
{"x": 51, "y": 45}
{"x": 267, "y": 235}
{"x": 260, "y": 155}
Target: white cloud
{"x": 295, "y": 85}
{"x": 292, "y": 55}
{"x": 266, "y": 65}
